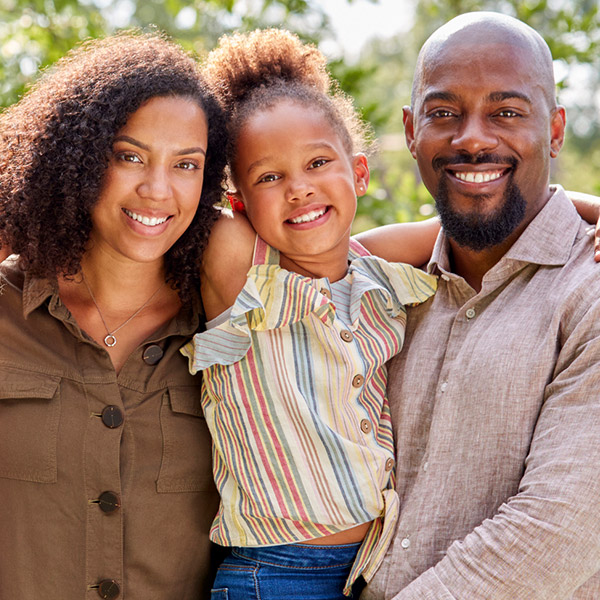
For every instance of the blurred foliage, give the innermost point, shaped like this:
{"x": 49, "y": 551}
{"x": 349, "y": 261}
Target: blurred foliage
{"x": 35, "y": 33}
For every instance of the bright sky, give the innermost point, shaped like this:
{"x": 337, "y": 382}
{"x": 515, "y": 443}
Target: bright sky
{"x": 360, "y": 20}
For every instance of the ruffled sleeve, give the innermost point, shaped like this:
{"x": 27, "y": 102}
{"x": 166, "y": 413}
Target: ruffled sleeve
{"x": 395, "y": 285}
{"x": 271, "y": 299}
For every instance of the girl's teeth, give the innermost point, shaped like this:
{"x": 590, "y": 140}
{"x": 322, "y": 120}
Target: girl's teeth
{"x": 148, "y": 221}
{"x": 308, "y": 217}
{"x": 470, "y": 177}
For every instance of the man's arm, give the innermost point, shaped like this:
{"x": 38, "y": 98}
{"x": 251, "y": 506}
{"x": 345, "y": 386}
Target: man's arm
{"x": 544, "y": 542}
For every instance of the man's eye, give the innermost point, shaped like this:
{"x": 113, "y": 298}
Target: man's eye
{"x": 441, "y": 113}
{"x": 508, "y": 113}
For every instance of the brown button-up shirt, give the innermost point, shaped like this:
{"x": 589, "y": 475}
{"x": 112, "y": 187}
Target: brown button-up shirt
{"x": 496, "y": 405}
{"x": 62, "y": 449}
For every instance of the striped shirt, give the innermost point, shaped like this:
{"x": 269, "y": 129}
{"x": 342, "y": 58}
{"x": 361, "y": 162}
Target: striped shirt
{"x": 295, "y": 401}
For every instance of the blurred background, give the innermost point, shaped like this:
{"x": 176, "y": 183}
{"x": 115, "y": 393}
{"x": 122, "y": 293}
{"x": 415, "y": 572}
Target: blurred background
{"x": 371, "y": 46}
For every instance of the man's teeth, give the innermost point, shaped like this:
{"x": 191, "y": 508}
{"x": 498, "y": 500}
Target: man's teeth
{"x": 150, "y": 221}
{"x": 476, "y": 177}
{"x": 309, "y": 216}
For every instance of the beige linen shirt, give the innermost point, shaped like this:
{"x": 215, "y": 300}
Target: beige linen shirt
{"x": 58, "y": 455}
{"x": 496, "y": 405}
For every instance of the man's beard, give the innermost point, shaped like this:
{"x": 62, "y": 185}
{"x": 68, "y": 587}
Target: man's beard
{"x": 474, "y": 230}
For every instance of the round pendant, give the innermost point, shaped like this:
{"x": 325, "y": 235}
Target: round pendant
{"x": 110, "y": 340}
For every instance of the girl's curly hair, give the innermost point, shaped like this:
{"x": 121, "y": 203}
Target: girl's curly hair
{"x": 56, "y": 141}
{"x": 251, "y": 71}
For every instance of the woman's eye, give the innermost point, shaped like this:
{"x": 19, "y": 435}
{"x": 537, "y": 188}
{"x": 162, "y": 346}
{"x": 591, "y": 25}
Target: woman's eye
{"x": 128, "y": 157}
{"x": 318, "y": 163}
{"x": 187, "y": 165}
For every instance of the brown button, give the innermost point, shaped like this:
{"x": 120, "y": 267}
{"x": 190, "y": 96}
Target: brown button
{"x": 108, "y": 589}
{"x": 325, "y": 292}
{"x": 108, "y": 502}
{"x": 346, "y": 335}
{"x": 357, "y": 380}
{"x": 112, "y": 417}
{"x": 389, "y": 464}
{"x": 365, "y": 426}
{"x": 152, "y": 354}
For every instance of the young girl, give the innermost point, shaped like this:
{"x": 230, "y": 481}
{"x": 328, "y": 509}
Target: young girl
{"x": 301, "y": 322}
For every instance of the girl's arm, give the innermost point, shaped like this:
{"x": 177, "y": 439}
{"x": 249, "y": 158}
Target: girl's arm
{"x": 225, "y": 262}
{"x": 410, "y": 243}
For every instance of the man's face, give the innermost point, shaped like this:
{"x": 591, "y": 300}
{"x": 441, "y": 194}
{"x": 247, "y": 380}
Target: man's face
{"x": 483, "y": 131}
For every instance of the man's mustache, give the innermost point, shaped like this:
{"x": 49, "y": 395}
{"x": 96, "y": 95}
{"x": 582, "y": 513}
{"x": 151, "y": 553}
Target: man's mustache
{"x": 472, "y": 159}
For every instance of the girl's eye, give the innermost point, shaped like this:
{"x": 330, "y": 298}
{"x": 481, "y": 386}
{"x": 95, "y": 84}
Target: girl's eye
{"x": 268, "y": 178}
{"x": 318, "y": 163}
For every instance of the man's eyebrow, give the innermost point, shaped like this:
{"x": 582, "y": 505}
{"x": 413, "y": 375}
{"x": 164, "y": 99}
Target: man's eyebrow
{"x": 509, "y": 95}
{"x": 134, "y": 142}
{"x": 446, "y": 96}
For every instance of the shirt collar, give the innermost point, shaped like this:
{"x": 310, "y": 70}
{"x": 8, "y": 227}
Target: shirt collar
{"x": 37, "y": 290}
{"x": 547, "y": 240}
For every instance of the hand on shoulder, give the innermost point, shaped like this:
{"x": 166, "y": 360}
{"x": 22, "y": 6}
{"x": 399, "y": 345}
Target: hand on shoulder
{"x": 226, "y": 261}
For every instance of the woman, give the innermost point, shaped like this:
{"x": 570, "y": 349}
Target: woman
{"x": 105, "y": 474}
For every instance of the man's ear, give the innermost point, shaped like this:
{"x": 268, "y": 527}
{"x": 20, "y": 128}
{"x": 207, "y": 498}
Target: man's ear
{"x": 557, "y": 130}
{"x": 235, "y": 200}
{"x": 409, "y": 131}
{"x": 361, "y": 173}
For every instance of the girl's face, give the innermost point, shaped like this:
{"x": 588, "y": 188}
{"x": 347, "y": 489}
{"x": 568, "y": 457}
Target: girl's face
{"x": 153, "y": 182}
{"x": 298, "y": 184}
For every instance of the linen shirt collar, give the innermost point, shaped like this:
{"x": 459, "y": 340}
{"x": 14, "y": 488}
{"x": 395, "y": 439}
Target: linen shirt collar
{"x": 547, "y": 240}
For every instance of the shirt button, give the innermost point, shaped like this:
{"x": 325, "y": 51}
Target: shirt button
{"x": 405, "y": 543}
{"x": 425, "y": 466}
{"x": 357, "y": 381}
{"x": 108, "y": 502}
{"x": 325, "y": 292}
{"x": 112, "y": 417}
{"x": 365, "y": 426}
{"x": 152, "y": 354}
{"x": 445, "y": 277}
{"x": 444, "y": 386}
{"x": 108, "y": 589}
{"x": 346, "y": 335}
{"x": 389, "y": 464}
{"x": 470, "y": 313}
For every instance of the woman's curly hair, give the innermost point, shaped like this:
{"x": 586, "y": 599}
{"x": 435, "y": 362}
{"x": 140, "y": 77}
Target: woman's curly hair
{"x": 56, "y": 141}
{"x": 251, "y": 71}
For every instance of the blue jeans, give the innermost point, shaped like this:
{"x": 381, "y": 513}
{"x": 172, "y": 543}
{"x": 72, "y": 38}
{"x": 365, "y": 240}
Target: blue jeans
{"x": 288, "y": 572}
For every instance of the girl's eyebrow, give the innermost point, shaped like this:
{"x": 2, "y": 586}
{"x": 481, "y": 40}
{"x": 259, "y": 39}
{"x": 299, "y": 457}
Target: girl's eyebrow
{"x": 134, "y": 142}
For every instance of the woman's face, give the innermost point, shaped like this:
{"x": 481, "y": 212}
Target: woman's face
{"x": 153, "y": 182}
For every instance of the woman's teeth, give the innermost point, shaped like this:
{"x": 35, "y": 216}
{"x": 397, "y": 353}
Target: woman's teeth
{"x": 313, "y": 215}
{"x": 477, "y": 177}
{"x": 149, "y": 221}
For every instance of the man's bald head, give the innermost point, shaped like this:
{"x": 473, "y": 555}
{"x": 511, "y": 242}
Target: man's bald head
{"x": 479, "y": 29}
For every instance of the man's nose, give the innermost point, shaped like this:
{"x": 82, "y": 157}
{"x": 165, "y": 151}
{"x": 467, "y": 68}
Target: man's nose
{"x": 474, "y": 136}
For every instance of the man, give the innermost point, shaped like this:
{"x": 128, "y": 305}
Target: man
{"x": 495, "y": 397}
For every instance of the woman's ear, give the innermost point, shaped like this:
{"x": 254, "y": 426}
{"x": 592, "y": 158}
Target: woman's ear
{"x": 361, "y": 174}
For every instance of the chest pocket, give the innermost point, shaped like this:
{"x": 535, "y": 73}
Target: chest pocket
{"x": 186, "y": 458}
{"x": 29, "y": 417}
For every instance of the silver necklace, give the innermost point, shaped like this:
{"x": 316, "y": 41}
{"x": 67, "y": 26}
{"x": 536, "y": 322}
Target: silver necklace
{"x": 110, "y": 340}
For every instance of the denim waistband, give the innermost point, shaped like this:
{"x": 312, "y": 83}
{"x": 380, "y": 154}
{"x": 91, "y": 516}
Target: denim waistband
{"x": 301, "y": 555}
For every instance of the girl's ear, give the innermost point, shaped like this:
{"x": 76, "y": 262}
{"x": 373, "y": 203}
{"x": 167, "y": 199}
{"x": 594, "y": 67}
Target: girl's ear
{"x": 236, "y": 202}
{"x": 361, "y": 174}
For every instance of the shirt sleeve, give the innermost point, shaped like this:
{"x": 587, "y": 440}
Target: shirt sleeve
{"x": 544, "y": 542}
